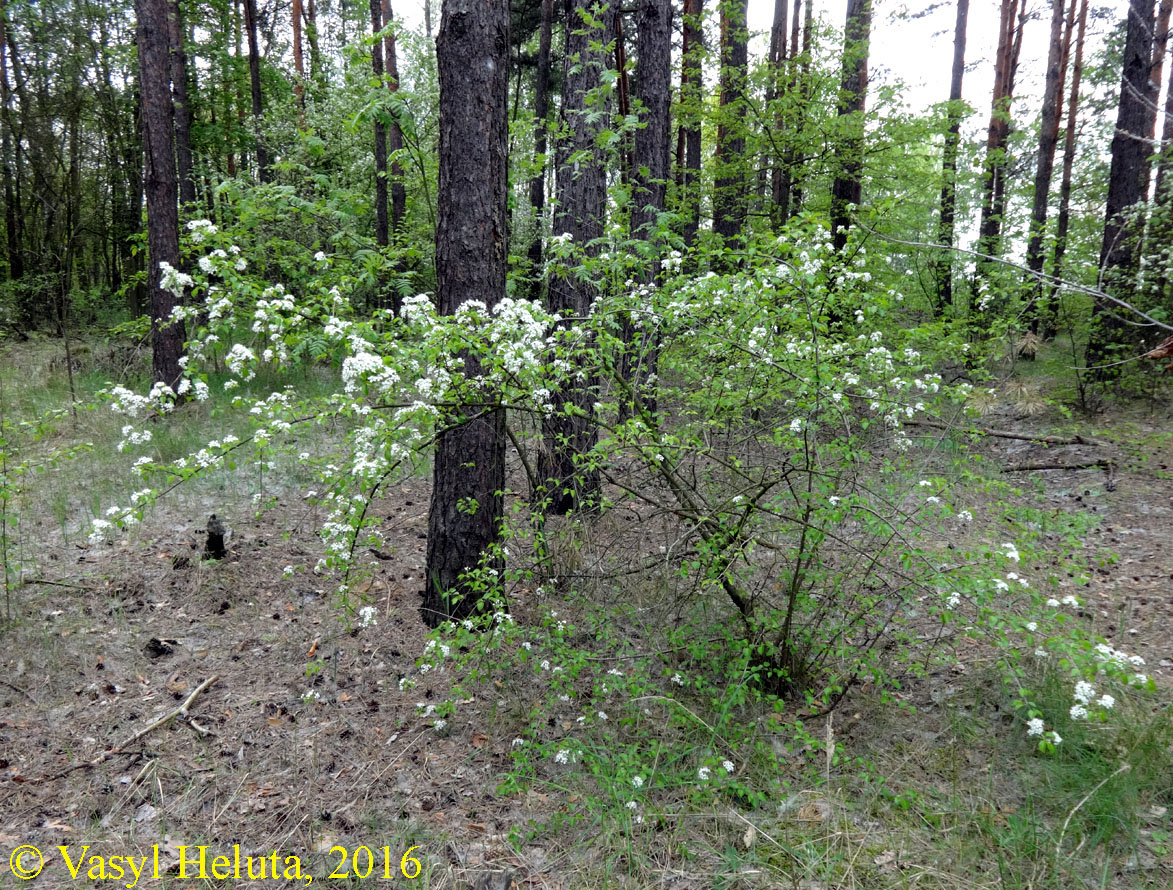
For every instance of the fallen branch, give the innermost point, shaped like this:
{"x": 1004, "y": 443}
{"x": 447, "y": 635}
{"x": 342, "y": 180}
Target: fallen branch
{"x": 181, "y": 711}
{"x": 1003, "y": 434}
{"x": 1085, "y": 465}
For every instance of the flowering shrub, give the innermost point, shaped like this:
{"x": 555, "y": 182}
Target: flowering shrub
{"x": 803, "y": 514}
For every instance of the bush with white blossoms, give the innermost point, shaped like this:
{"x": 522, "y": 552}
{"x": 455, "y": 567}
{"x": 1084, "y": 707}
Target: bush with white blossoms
{"x": 806, "y": 503}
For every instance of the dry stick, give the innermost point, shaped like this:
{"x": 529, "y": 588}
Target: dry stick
{"x": 16, "y": 688}
{"x": 181, "y": 711}
{"x": 1003, "y": 434}
{"x": 1125, "y": 767}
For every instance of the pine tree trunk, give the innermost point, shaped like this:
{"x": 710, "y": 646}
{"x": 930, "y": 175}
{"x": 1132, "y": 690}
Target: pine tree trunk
{"x": 1048, "y": 139}
{"x": 776, "y": 86}
{"x": 382, "y": 231}
{"x": 688, "y": 152}
{"x": 11, "y": 211}
{"x": 394, "y": 132}
{"x": 182, "y": 106}
{"x": 946, "y": 224}
{"x": 1162, "y": 214}
{"x": 1063, "y": 222}
{"x": 1128, "y": 181}
{"x": 254, "y": 74}
{"x": 298, "y": 63}
{"x": 537, "y": 183}
{"x": 794, "y": 167}
{"x": 847, "y": 189}
{"x": 624, "y": 93}
{"x": 580, "y": 213}
{"x": 729, "y": 196}
{"x": 472, "y": 54}
{"x": 162, "y": 188}
{"x": 994, "y": 186}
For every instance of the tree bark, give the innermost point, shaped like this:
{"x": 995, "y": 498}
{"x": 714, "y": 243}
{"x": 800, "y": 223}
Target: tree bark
{"x": 1162, "y": 215}
{"x": 998, "y": 134}
{"x": 472, "y": 53}
{"x": 1128, "y": 181}
{"x": 729, "y": 197}
{"x": 382, "y": 236}
{"x": 582, "y": 199}
{"x": 11, "y": 211}
{"x": 162, "y": 189}
{"x": 847, "y": 189}
{"x": 1048, "y": 139}
{"x": 298, "y": 63}
{"x": 182, "y": 106}
{"x": 946, "y": 224}
{"x": 624, "y": 93}
{"x": 254, "y": 74}
{"x": 688, "y": 151}
{"x": 394, "y": 132}
{"x": 777, "y": 84}
{"x": 537, "y": 183}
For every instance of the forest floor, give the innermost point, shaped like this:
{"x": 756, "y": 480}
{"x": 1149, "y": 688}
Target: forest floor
{"x": 300, "y": 740}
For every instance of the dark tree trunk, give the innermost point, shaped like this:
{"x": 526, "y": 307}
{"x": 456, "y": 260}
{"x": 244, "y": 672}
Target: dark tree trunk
{"x": 777, "y": 85}
{"x": 624, "y": 92}
{"x": 847, "y": 189}
{"x": 254, "y": 75}
{"x": 688, "y": 151}
{"x": 394, "y": 133}
{"x": 162, "y": 188}
{"x": 1048, "y": 140}
{"x": 653, "y": 77}
{"x": 945, "y": 226}
{"x": 998, "y": 135}
{"x": 472, "y": 54}
{"x": 806, "y": 89}
{"x": 311, "y": 34}
{"x": 1128, "y": 181}
{"x": 537, "y": 184}
{"x": 730, "y": 191}
{"x": 182, "y": 106}
{"x": 582, "y": 197}
{"x": 382, "y": 237}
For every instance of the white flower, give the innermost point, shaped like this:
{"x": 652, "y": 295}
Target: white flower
{"x": 632, "y": 805}
{"x": 545, "y": 665}
{"x": 602, "y": 715}
{"x": 1069, "y": 600}
{"x": 287, "y": 571}
{"x": 1137, "y": 679}
{"x": 320, "y": 257}
{"x": 1041, "y": 653}
{"x": 517, "y": 743}
{"x": 703, "y": 773}
{"x": 1053, "y": 603}
{"x": 638, "y": 781}
{"x": 953, "y": 601}
{"x": 1077, "y": 712}
{"x": 1056, "y": 739}
{"x": 932, "y": 500}
{"x": 440, "y": 725}
{"x": 1084, "y": 692}
{"x": 1034, "y": 726}
{"x": 924, "y": 483}
{"x": 366, "y": 616}
{"x": 563, "y": 756}
{"x": 1106, "y": 702}
{"x": 796, "y": 425}
{"x": 833, "y": 500}
{"x": 965, "y": 516}
{"x": 1011, "y": 551}
{"x": 1000, "y": 585}
{"x": 727, "y": 765}
{"x": 1032, "y": 626}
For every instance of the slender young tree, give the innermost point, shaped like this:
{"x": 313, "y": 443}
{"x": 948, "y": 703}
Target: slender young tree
{"x": 1048, "y": 139}
{"x": 1063, "y": 221}
{"x": 298, "y": 62}
{"x": 162, "y": 189}
{"x": 537, "y": 183}
{"x": 254, "y": 76}
{"x": 1010, "y": 28}
{"x": 1128, "y": 181}
{"x": 775, "y": 87}
{"x": 11, "y": 211}
{"x": 582, "y": 200}
{"x": 948, "y": 213}
{"x": 729, "y": 197}
{"x": 1162, "y": 215}
{"x": 847, "y": 189}
{"x": 472, "y": 54}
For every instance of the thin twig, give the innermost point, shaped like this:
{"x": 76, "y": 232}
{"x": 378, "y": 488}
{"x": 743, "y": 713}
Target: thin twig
{"x": 1124, "y": 767}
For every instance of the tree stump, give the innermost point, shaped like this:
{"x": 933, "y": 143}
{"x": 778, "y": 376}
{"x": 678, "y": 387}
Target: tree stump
{"x": 215, "y": 548}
